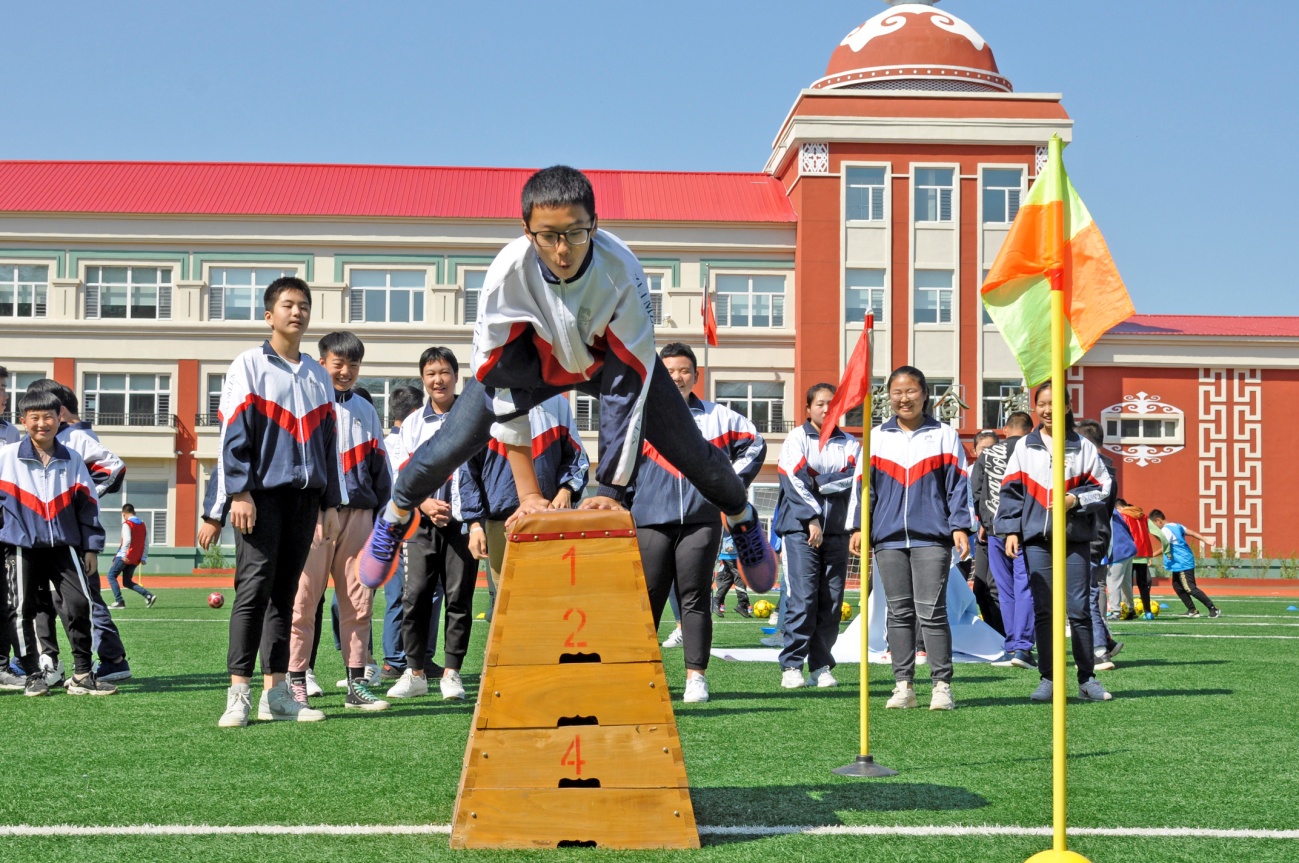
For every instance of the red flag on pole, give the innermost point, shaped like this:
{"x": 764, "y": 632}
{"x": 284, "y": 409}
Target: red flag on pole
{"x": 710, "y": 322}
{"x": 855, "y": 383}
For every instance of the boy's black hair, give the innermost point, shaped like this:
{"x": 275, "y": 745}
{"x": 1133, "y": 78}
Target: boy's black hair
{"x": 918, "y": 376}
{"x": 403, "y": 401}
{"x": 1020, "y": 420}
{"x": 816, "y": 388}
{"x": 128, "y": 508}
{"x": 363, "y": 393}
{"x": 282, "y": 284}
{"x": 557, "y": 186}
{"x": 1069, "y": 425}
{"x": 439, "y": 352}
{"x": 343, "y": 344}
{"x": 680, "y": 349}
{"x": 4, "y": 373}
{"x": 63, "y": 393}
{"x": 1091, "y": 430}
{"x": 38, "y": 400}
{"x": 988, "y": 433}
{"x": 1158, "y": 513}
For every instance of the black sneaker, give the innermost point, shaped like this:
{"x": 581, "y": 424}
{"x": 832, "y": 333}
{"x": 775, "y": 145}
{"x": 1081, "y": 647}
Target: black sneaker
{"x": 1192, "y": 613}
{"x": 150, "y": 600}
{"x": 1023, "y": 659}
{"x": 717, "y": 608}
{"x": 744, "y": 610}
{"x": 36, "y": 685}
{"x": 111, "y": 672}
{"x": 89, "y": 684}
{"x": 359, "y": 696}
{"x": 117, "y": 604}
{"x": 390, "y": 672}
{"x": 1215, "y": 612}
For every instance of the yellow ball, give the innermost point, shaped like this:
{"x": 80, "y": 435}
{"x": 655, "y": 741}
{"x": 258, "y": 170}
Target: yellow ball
{"x": 1138, "y": 606}
{"x": 846, "y": 612}
{"x": 762, "y": 608}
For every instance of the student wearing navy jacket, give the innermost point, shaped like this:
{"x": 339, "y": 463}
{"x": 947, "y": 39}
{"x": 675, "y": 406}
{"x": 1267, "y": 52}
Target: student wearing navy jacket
{"x": 814, "y": 504}
{"x": 1024, "y": 519}
{"x": 920, "y": 512}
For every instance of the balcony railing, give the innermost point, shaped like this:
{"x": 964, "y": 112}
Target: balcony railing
{"x": 147, "y": 420}
{"x": 207, "y": 421}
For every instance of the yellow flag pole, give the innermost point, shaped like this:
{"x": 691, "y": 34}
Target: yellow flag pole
{"x": 865, "y": 765}
{"x": 1059, "y": 852}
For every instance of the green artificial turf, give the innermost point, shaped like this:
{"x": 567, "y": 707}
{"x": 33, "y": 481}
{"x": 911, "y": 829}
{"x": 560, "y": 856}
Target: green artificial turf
{"x": 1202, "y": 733}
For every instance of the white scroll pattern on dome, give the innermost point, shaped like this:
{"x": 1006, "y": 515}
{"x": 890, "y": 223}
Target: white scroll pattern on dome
{"x": 895, "y": 19}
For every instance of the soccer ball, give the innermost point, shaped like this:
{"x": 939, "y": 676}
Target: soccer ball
{"x": 215, "y": 599}
{"x": 1140, "y": 607}
{"x": 763, "y": 608}
{"x": 846, "y": 612}
{"x": 1126, "y": 612}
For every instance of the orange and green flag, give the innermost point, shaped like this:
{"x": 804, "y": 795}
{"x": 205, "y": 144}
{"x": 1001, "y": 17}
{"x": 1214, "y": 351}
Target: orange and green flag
{"x": 1053, "y": 245}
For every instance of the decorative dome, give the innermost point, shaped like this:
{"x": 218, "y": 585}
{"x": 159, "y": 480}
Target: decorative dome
{"x": 913, "y": 46}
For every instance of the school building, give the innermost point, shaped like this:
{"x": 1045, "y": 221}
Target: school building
{"x": 890, "y": 186}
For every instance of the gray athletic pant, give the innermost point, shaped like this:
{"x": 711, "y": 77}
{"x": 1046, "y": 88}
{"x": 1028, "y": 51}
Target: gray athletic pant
{"x": 813, "y": 593}
{"x": 915, "y": 585}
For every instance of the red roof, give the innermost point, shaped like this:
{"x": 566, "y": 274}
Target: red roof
{"x": 225, "y": 188}
{"x": 1209, "y": 325}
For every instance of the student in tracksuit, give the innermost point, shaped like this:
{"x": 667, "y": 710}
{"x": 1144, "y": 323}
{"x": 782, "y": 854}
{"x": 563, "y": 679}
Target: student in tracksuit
{"x": 368, "y": 484}
{"x": 448, "y": 541}
{"x": 814, "y": 502}
{"x": 1024, "y": 519}
{"x": 402, "y": 402}
{"x": 279, "y": 478}
{"x": 677, "y": 529}
{"x": 9, "y": 433}
{"x": 920, "y": 512}
{"x": 567, "y": 307}
{"x": 51, "y": 520}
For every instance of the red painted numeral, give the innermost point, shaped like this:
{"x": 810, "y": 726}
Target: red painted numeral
{"x": 569, "y": 642}
{"x": 571, "y": 557}
{"x": 574, "y": 750}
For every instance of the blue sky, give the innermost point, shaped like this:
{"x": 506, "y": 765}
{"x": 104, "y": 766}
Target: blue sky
{"x": 1184, "y": 111}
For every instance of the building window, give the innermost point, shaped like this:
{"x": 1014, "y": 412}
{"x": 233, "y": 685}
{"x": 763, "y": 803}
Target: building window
{"x": 863, "y": 291}
{"x": 474, "y": 280}
{"x": 934, "y": 194}
{"x": 586, "y": 411}
{"x": 763, "y": 402}
{"x": 18, "y": 384}
{"x": 1126, "y": 430}
{"x": 655, "y": 282}
{"x": 380, "y": 390}
{"x": 864, "y": 194}
{"x": 750, "y": 301}
{"x": 216, "y": 385}
{"x": 149, "y": 497}
{"x": 933, "y": 297}
{"x": 238, "y": 293}
{"x": 1000, "y": 399}
{"x": 128, "y": 400}
{"x": 128, "y": 292}
{"x": 24, "y": 291}
{"x": 386, "y": 296}
{"x": 1002, "y": 189}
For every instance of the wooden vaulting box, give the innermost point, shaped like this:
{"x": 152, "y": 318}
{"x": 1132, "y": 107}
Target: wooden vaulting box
{"x": 573, "y": 741}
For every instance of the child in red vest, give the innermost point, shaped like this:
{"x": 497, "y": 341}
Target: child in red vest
{"x": 132, "y": 551}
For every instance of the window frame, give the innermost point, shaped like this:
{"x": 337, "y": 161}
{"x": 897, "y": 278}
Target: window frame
{"x": 16, "y": 389}
{"x": 722, "y": 311}
{"x": 112, "y": 503}
{"x": 881, "y": 318}
{"x": 951, "y": 305}
{"x": 257, "y": 291}
{"x": 356, "y": 294}
{"x": 162, "y": 400}
{"x": 95, "y": 289}
{"x": 952, "y": 203}
{"x": 1020, "y": 193}
{"x": 381, "y": 399}
{"x": 882, "y": 204}
{"x": 40, "y": 302}
{"x": 776, "y": 423}
{"x": 475, "y": 294}
{"x": 987, "y": 401}
{"x": 1176, "y": 418}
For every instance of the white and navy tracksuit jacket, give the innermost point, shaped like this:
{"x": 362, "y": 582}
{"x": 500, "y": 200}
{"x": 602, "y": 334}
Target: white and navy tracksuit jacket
{"x": 815, "y": 482}
{"x": 464, "y": 489}
{"x": 278, "y": 430}
{"x": 557, "y": 453}
{"x": 663, "y": 496}
{"x": 48, "y": 506}
{"x": 920, "y": 492}
{"x": 1026, "y": 491}
{"x": 9, "y": 433}
{"x": 366, "y": 474}
{"x": 106, "y": 469}
{"x": 538, "y": 335}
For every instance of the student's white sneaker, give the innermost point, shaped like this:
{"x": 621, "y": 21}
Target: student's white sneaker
{"x": 452, "y": 688}
{"x": 822, "y": 678}
{"x": 409, "y": 686}
{"x": 239, "y": 703}
{"x": 676, "y": 639}
{"x": 792, "y": 678}
{"x": 1044, "y": 692}
{"x": 903, "y": 698}
{"x": 696, "y": 689}
{"x": 281, "y": 706}
{"x": 1092, "y": 690}
{"x": 922, "y": 658}
{"x": 941, "y": 699}
{"x": 313, "y": 688}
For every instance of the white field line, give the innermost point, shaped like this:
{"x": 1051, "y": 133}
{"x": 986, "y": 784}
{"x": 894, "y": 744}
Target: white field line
{"x": 1130, "y": 634}
{"x": 224, "y": 620}
{"x": 1215, "y": 624}
{"x": 954, "y": 830}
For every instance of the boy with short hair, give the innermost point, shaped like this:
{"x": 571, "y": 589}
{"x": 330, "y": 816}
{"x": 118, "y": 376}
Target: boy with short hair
{"x": 280, "y": 482}
{"x": 51, "y": 519}
{"x": 365, "y": 474}
{"x": 132, "y": 551}
{"x": 565, "y": 307}
{"x": 1179, "y": 560}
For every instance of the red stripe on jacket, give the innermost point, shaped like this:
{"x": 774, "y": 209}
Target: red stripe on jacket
{"x": 283, "y": 417}
{"x": 48, "y": 510}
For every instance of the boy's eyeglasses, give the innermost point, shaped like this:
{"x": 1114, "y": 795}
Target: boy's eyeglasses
{"x": 575, "y": 237}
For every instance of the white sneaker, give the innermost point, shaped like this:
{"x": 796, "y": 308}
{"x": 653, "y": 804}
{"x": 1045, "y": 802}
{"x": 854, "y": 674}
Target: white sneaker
{"x": 696, "y": 689}
{"x": 313, "y": 688}
{"x": 371, "y": 679}
{"x": 676, "y": 639}
{"x": 941, "y": 699}
{"x": 904, "y": 697}
{"x": 409, "y": 686}
{"x": 1092, "y": 690}
{"x": 792, "y": 678}
{"x": 239, "y": 703}
{"x": 822, "y": 678}
{"x": 1104, "y": 664}
{"x": 452, "y": 688}
{"x": 922, "y": 658}
{"x": 1045, "y": 691}
{"x": 280, "y": 706}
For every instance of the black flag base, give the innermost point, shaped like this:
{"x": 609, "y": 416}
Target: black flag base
{"x": 864, "y": 766}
